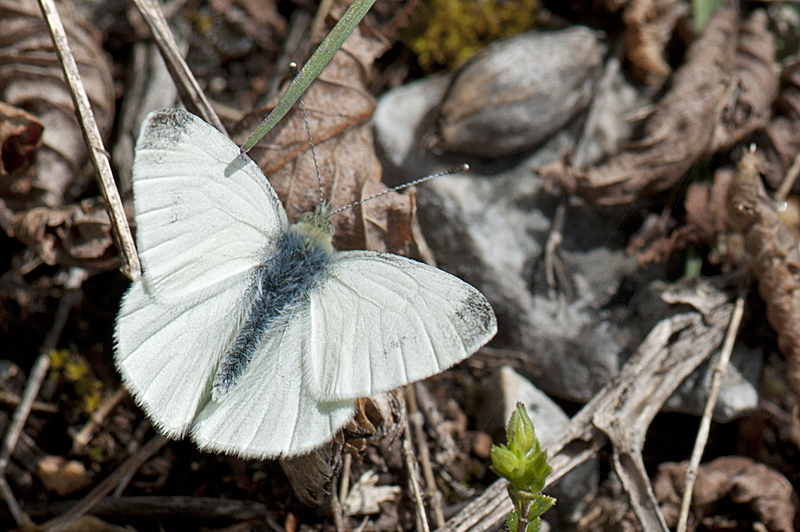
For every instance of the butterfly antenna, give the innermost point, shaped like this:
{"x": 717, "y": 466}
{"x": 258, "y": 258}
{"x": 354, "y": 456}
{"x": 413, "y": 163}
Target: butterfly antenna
{"x": 460, "y": 169}
{"x": 294, "y": 69}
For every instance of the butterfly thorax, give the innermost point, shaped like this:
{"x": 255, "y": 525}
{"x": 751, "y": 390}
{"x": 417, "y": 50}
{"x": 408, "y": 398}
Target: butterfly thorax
{"x": 280, "y": 290}
{"x": 316, "y": 228}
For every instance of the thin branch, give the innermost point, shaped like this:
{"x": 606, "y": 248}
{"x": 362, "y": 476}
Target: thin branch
{"x": 133, "y": 463}
{"x": 120, "y": 229}
{"x": 189, "y": 90}
{"x": 702, "y": 433}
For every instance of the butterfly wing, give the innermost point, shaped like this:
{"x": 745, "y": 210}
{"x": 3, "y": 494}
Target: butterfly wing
{"x": 205, "y": 218}
{"x": 271, "y": 412}
{"x": 204, "y": 212}
{"x": 379, "y": 321}
{"x": 168, "y": 350}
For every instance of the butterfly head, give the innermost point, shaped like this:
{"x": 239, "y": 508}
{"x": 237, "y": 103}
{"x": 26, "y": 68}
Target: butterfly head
{"x": 316, "y": 228}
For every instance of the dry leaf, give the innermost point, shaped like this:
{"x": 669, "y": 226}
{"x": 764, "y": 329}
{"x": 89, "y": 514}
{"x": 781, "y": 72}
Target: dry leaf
{"x": 31, "y": 78}
{"x": 783, "y": 132}
{"x": 756, "y": 76}
{"x": 775, "y": 259}
{"x": 676, "y": 134}
{"x": 365, "y": 496}
{"x": 339, "y": 109}
{"x": 78, "y": 234}
{"x": 736, "y": 478}
{"x": 61, "y": 475}
{"x": 648, "y": 29}
{"x": 20, "y": 135}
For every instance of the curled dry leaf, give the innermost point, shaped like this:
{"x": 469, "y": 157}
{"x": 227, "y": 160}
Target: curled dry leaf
{"x": 516, "y": 93}
{"x": 675, "y": 135}
{"x": 706, "y": 224}
{"x": 62, "y": 476}
{"x": 765, "y": 491}
{"x": 31, "y": 78}
{"x": 775, "y": 259}
{"x": 73, "y": 235}
{"x": 783, "y": 131}
{"x": 339, "y": 108}
{"x": 365, "y": 496}
{"x": 648, "y": 29}
{"x": 20, "y": 135}
{"x": 756, "y": 75}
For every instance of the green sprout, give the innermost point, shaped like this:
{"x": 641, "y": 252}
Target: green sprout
{"x": 524, "y": 465}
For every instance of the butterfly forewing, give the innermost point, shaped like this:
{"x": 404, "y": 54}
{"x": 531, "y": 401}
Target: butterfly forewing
{"x": 203, "y": 212}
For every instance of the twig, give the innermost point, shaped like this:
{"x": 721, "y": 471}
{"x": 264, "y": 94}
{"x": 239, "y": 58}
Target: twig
{"x": 702, "y": 433}
{"x": 408, "y": 455}
{"x": 37, "y": 406}
{"x": 119, "y": 223}
{"x": 336, "y": 510}
{"x": 789, "y": 179}
{"x": 97, "y": 418}
{"x": 554, "y": 267}
{"x": 189, "y": 90}
{"x": 11, "y": 501}
{"x": 38, "y": 371}
{"x": 444, "y": 439}
{"x": 344, "y": 484}
{"x": 434, "y": 496}
{"x": 623, "y": 408}
{"x": 133, "y": 463}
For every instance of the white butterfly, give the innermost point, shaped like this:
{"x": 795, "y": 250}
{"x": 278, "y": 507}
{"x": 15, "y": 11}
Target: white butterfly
{"x": 256, "y": 336}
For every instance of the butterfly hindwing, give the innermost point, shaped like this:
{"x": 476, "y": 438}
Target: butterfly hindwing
{"x": 271, "y": 412}
{"x": 168, "y": 351}
{"x": 379, "y": 321}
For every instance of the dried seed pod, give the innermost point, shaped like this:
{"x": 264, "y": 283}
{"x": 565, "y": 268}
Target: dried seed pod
{"x": 516, "y": 93}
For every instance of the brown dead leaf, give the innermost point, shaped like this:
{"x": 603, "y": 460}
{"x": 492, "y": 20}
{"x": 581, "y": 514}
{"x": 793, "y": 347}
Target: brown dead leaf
{"x": 648, "y": 29}
{"x": 756, "y": 74}
{"x": 775, "y": 259}
{"x": 676, "y": 134}
{"x": 738, "y": 479}
{"x": 257, "y": 19}
{"x": 783, "y": 132}
{"x": 339, "y": 109}
{"x": 62, "y": 476}
{"x": 20, "y": 135}
{"x": 31, "y": 78}
{"x": 77, "y": 234}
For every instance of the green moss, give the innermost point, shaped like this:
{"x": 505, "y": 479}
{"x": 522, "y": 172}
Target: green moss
{"x": 445, "y": 33}
{"x": 72, "y": 369}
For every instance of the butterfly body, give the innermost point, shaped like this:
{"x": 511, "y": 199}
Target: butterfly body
{"x": 282, "y": 284}
{"x": 256, "y": 336}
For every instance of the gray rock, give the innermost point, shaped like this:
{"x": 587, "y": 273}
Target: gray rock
{"x": 490, "y": 227}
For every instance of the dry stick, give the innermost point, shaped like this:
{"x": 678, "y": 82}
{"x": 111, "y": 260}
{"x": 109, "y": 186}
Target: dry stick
{"x": 133, "y": 463}
{"x": 97, "y": 418}
{"x": 415, "y": 417}
{"x": 290, "y": 51}
{"x": 37, "y": 406}
{"x": 189, "y": 90}
{"x": 674, "y": 348}
{"x": 318, "y": 25}
{"x": 552, "y": 263}
{"x": 344, "y": 484}
{"x": 789, "y": 179}
{"x": 408, "y": 455}
{"x": 336, "y": 511}
{"x": 116, "y": 213}
{"x": 702, "y": 433}
{"x": 68, "y": 299}
{"x": 444, "y": 439}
